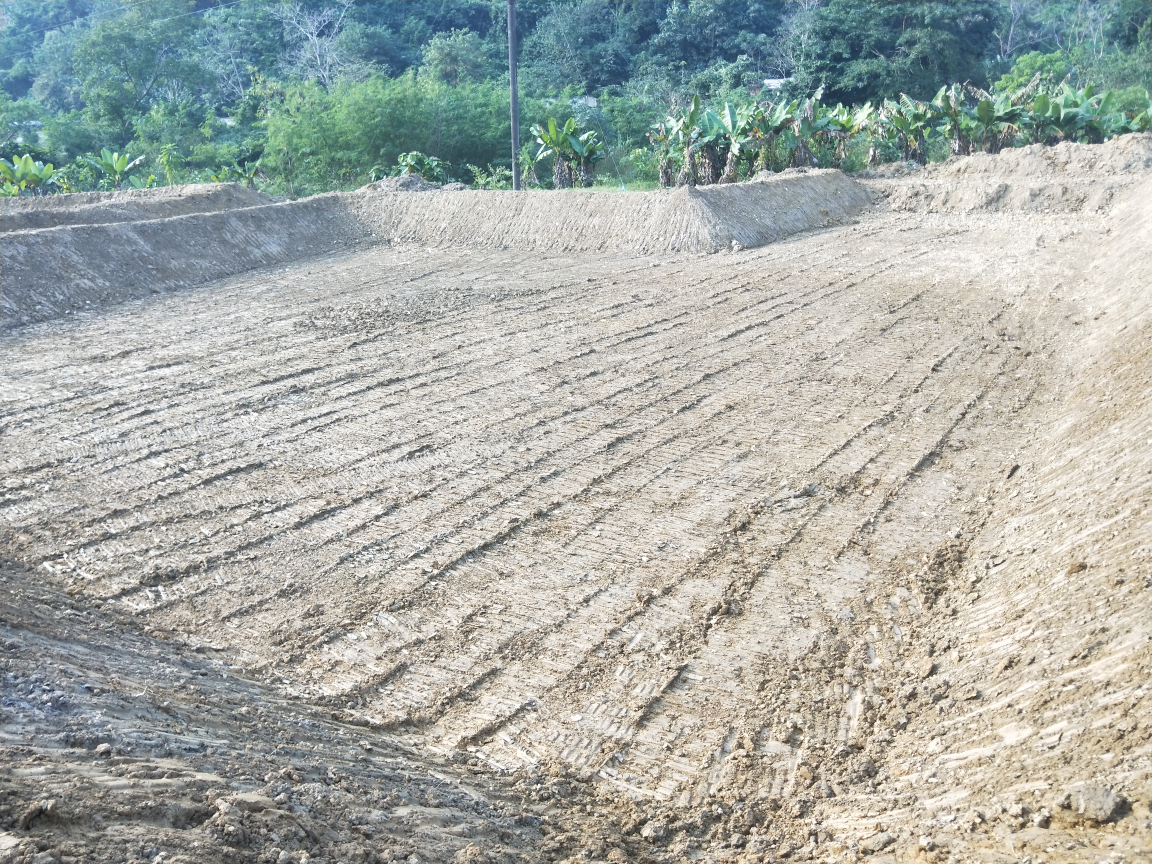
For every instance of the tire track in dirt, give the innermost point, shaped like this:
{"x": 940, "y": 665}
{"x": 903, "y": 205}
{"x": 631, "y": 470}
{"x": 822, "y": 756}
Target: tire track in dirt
{"x": 616, "y": 710}
{"x": 741, "y": 287}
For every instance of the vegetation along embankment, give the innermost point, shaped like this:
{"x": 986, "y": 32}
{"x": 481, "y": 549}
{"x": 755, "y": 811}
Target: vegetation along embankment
{"x": 297, "y": 98}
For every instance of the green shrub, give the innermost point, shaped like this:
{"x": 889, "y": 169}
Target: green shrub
{"x": 319, "y": 140}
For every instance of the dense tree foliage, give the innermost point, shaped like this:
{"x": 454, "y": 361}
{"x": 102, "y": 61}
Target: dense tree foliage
{"x": 319, "y": 93}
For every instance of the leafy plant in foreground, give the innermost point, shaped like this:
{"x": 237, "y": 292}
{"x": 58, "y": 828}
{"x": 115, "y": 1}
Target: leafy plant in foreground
{"x": 23, "y": 173}
{"x": 492, "y": 178}
{"x": 114, "y": 166}
{"x": 555, "y": 141}
{"x": 429, "y": 167}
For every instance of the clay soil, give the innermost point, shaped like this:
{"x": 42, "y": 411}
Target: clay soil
{"x": 829, "y": 550}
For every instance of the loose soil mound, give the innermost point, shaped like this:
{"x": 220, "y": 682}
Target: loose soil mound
{"x": 1064, "y": 178}
{"x": 132, "y": 205}
{"x": 407, "y": 183}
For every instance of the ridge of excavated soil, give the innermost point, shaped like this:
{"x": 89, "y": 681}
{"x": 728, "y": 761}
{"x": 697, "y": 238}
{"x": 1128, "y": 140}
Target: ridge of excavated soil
{"x": 833, "y": 549}
{"x": 706, "y": 219}
{"x": 130, "y": 205}
{"x": 1067, "y": 177}
{"x": 73, "y": 269}
{"x": 182, "y": 239}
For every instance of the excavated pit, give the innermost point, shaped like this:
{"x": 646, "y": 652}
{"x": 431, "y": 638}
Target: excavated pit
{"x": 454, "y": 531}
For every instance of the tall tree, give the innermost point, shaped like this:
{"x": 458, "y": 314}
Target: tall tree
{"x": 128, "y": 63}
{"x": 312, "y": 32}
{"x": 23, "y": 26}
{"x": 865, "y": 50}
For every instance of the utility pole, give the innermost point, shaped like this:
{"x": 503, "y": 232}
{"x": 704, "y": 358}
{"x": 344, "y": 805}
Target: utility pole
{"x": 515, "y": 94}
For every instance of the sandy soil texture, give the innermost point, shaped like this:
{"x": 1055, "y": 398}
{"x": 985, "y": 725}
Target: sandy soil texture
{"x": 832, "y": 549}
{"x": 130, "y": 205}
{"x": 61, "y": 258}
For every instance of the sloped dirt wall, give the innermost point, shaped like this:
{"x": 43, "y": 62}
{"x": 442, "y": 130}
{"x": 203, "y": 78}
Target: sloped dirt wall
{"x": 1066, "y": 178}
{"x": 52, "y": 272}
{"x": 130, "y": 205}
{"x": 59, "y": 260}
{"x": 705, "y": 219}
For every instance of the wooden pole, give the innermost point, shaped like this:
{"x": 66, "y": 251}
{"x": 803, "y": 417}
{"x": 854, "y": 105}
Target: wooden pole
{"x": 514, "y": 94}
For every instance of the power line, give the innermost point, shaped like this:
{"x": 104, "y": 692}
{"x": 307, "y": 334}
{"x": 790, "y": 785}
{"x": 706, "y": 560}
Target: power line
{"x": 149, "y": 25}
{"x": 86, "y": 17}
{"x": 592, "y": 117}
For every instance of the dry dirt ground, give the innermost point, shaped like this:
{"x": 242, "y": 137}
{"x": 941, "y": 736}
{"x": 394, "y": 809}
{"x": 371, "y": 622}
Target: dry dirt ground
{"x": 829, "y": 550}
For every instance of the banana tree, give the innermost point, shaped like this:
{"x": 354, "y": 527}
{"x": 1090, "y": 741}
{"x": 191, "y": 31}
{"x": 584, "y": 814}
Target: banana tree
{"x": 951, "y": 105}
{"x": 683, "y": 132}
{"x": 1070, "y": 111}
{"x": 1140, "y": 121}
{"x": 1120, "y": 123}
{"x": 1043, "y": 119}
{"x": 23, "y": 173}
{"x": 772, "y": 125}
{"x": 248, "y": 172}
{"x": 997, "y": 122}
{"x": 527, "y": 159}
{"x": 843, "y": 124}
{"x": 883, "y": 141}
{"x": 114, "y": 166}
{"x": 1086, "y": 116}
{"x": 737, "y": 131}
{"x": 588, "y": 150}
{"x": 910, "y": 121}
{"x": 556, "y": 141}
{"x": 813, "y": 125}
{"x": 710, "y": 138}
{"x": 662, "y": 137}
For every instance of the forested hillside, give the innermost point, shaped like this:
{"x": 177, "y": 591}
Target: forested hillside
{"x": 301, "y": 97}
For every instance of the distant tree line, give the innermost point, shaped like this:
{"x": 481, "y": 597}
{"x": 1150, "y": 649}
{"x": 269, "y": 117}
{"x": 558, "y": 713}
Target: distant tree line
{"x": 301, "y": 97}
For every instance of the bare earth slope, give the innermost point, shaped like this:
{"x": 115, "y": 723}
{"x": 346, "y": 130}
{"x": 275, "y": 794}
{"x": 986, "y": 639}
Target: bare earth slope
{"x": 62, "y": 260}
{"x": 130, "y": 205}
{"x": 828, "y": 549}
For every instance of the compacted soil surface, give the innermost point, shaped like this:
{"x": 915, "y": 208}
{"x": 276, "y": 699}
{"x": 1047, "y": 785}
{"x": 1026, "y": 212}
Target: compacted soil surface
{"x": 829, "y": 550}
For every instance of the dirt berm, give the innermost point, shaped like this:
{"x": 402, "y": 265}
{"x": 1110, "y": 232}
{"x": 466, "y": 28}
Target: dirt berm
{"x": 61, "y": 256}
{"x": 1067, "y": 178}
{"x": 131, "y": 205}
